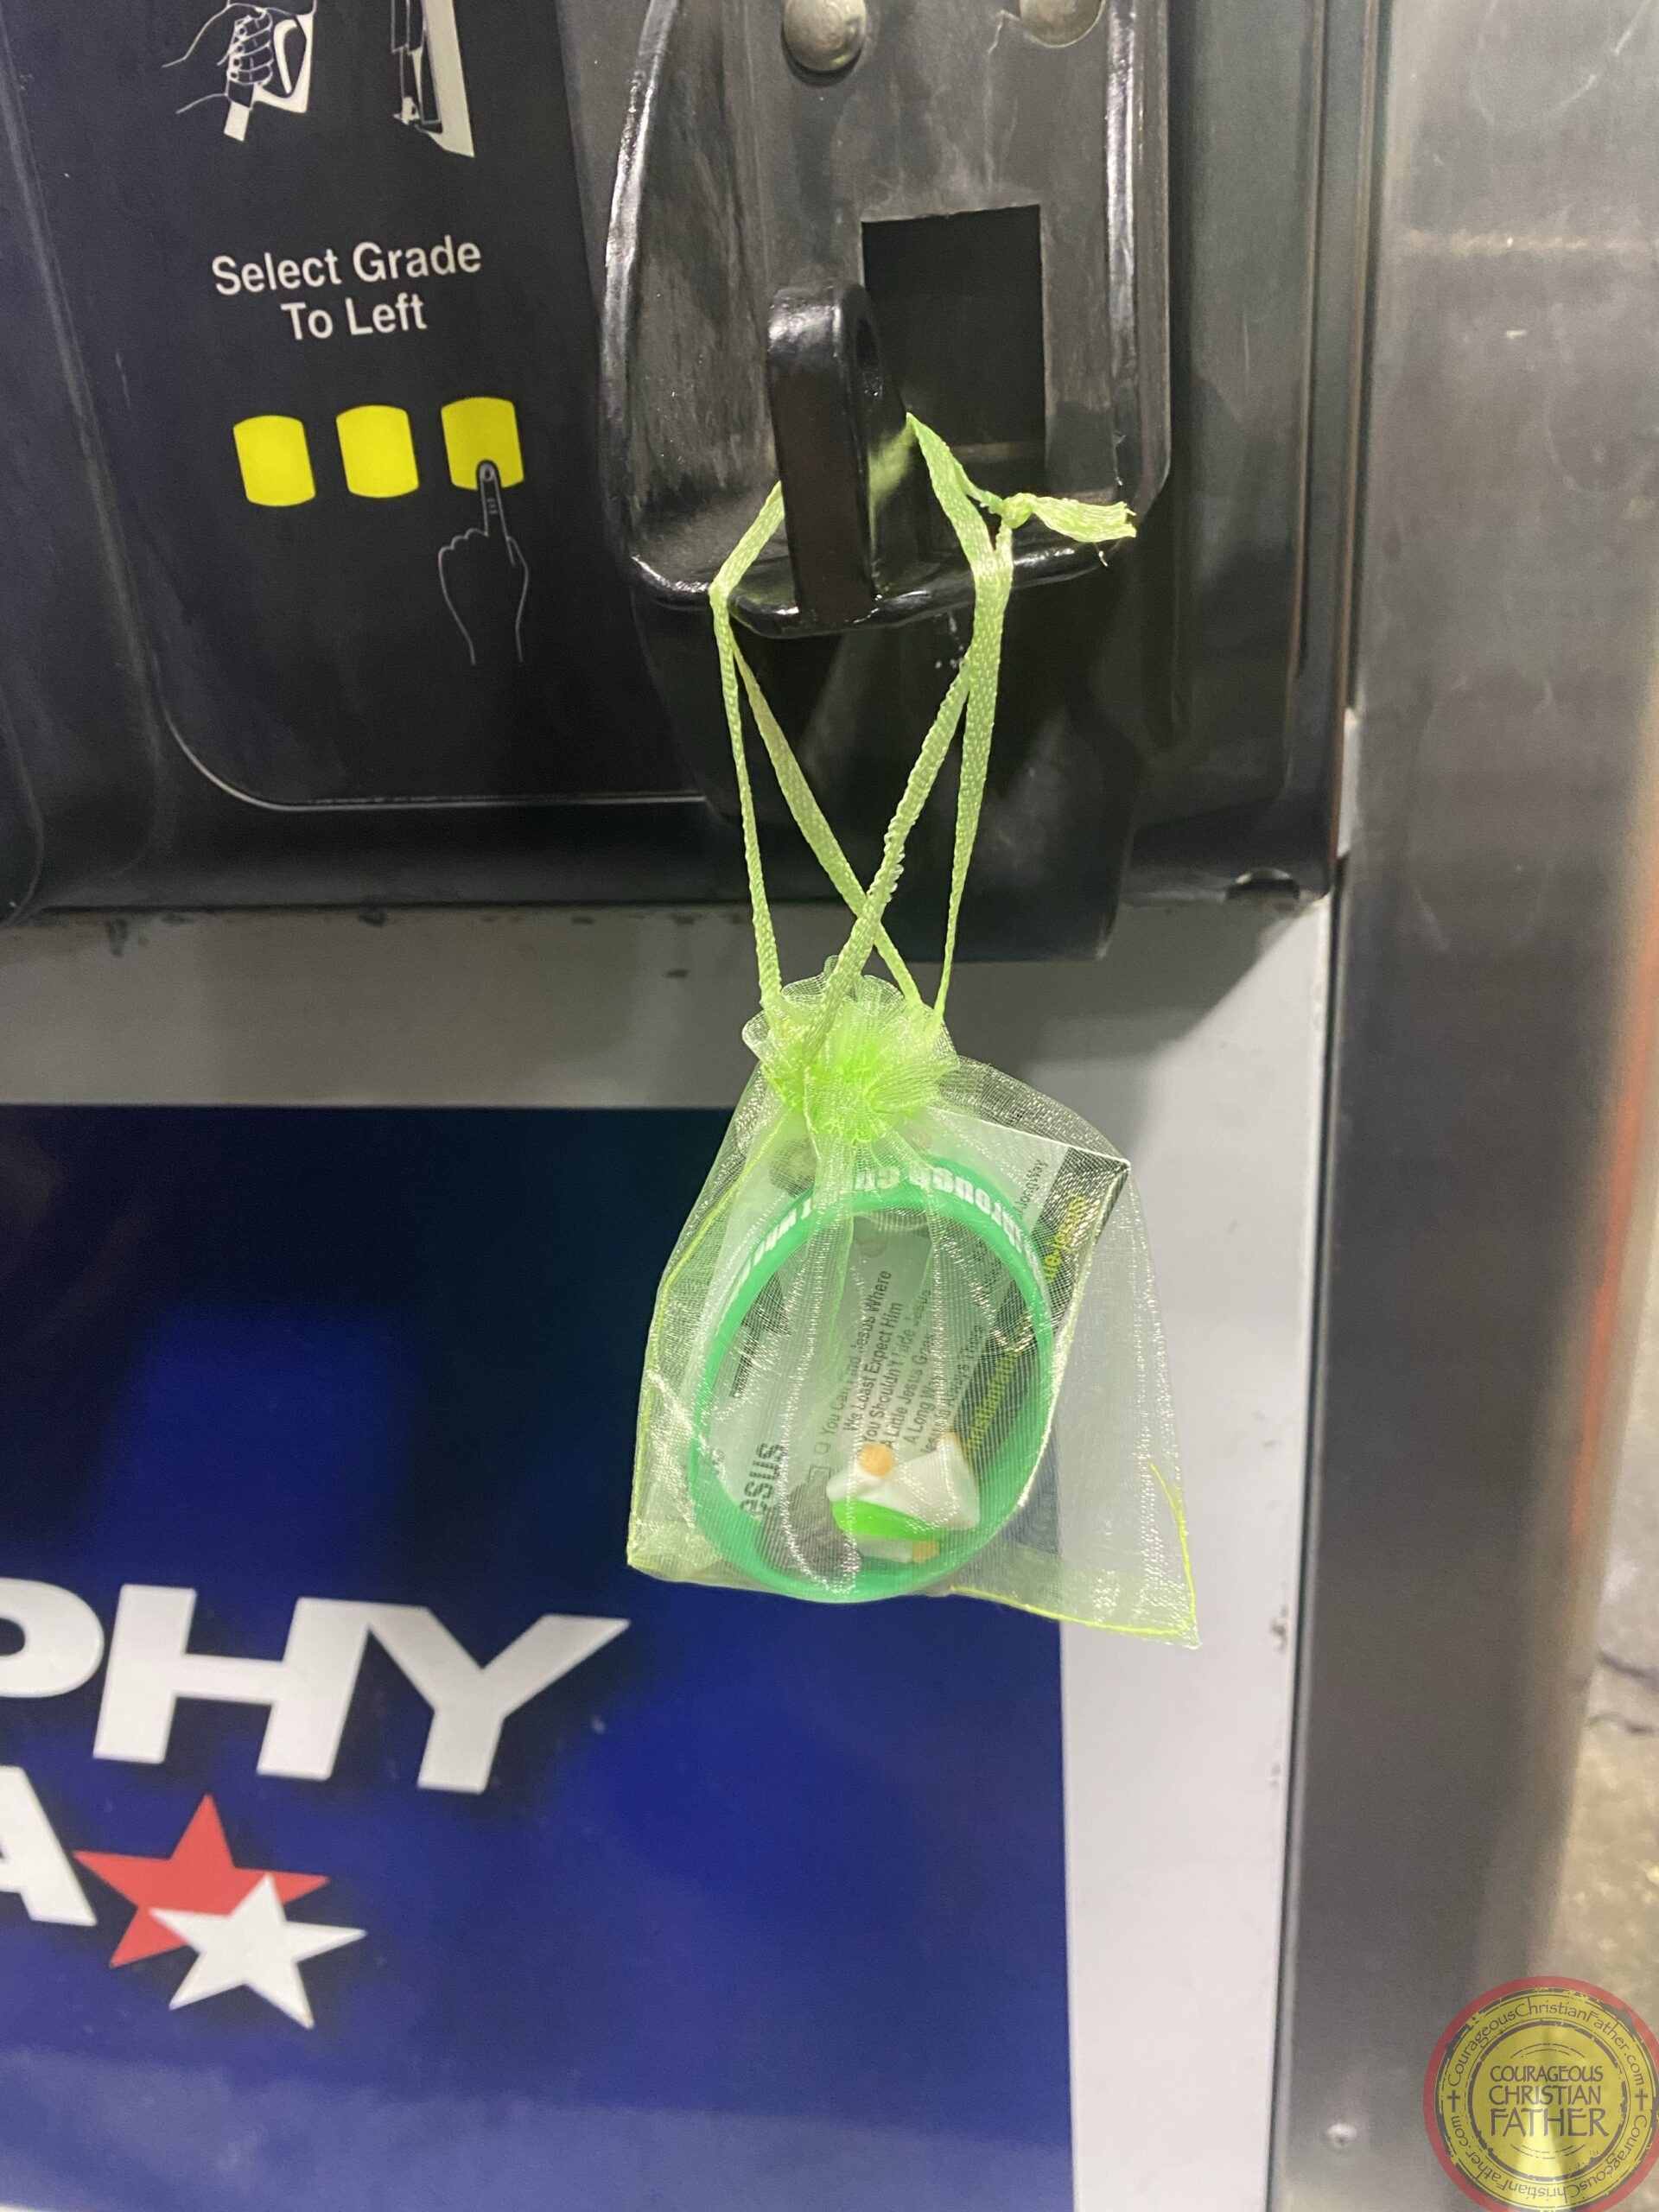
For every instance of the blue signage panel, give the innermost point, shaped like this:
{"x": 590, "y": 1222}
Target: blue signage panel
{"x": 369, "y": 1834}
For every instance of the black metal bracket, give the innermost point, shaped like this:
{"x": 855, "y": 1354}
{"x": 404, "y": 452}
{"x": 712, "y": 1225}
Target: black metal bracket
{"x": 851, "y": 477}
{"x": 867, "y": 541}
{"x": 741, "y": 343}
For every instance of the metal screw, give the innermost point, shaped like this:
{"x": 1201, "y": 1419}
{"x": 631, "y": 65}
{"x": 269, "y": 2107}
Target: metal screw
{"x": 1060, "y": 22}
{"x": 826, "y": 36}
{"x": 1341, "y": 2135}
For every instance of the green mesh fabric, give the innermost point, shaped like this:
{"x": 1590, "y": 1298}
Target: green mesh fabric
{"x": 908, "y": 1339}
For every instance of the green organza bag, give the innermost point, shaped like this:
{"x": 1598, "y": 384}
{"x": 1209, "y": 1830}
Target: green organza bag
{"x": 853, "y": 1385}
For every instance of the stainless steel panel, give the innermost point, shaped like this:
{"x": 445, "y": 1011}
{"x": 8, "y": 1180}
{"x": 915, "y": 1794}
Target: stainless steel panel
{"x": 1497, "y": 977}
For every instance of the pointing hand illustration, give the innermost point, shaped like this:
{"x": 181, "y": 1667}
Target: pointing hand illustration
{"x": 485, "y": 579}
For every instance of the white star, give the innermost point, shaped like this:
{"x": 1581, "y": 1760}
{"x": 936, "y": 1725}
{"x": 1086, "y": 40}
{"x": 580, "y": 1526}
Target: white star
{"x": 256, "y": 1947}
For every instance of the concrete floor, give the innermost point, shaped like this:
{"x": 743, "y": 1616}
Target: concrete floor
{"x": 1607, "y": 1923}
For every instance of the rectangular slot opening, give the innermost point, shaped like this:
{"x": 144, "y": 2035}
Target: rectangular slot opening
{"x": 959, "y": 305}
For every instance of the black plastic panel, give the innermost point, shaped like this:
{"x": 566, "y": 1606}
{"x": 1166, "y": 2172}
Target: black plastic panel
{"x": 431, "y": 689}
{"x": 335, "y": 298}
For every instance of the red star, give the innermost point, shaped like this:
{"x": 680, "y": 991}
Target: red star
{"x": 200, "y": 1877}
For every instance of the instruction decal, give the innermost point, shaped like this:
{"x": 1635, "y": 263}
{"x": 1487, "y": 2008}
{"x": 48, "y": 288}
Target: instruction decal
{"x": 326, "y": 267}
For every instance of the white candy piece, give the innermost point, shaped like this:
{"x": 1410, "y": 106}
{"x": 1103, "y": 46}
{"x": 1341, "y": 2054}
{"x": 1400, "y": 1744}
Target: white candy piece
{"x": 936, "y": 1488}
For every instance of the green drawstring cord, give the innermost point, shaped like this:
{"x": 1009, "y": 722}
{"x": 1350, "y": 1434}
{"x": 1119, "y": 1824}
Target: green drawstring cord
{"x": 806, "y": 1047}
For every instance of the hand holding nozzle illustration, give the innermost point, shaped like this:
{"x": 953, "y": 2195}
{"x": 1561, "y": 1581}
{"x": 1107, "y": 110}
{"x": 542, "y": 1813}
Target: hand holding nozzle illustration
{"x": 485, "y": 580}
{"x": 249, "y": 55}
{"x": 257, "y": 53}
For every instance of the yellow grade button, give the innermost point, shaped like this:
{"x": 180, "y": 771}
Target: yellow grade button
{"x": 477, "y": 430}
{"x": 378, "y": 447}
{"x": 276, "y": 460}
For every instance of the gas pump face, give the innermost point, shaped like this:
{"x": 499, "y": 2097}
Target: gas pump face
{"x": 380, "y": 427}
{"x": 384, "y": 383}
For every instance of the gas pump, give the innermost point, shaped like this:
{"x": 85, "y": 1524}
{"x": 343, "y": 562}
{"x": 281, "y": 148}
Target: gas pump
{"x": 390, "y": 406}
{"x": 385, "y": 388}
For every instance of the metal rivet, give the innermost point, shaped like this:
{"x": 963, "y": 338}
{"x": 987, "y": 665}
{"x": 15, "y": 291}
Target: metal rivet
{"x": 1341, "y": 2135}
{"x": 825, "y": 36}
{"x": 1060, "y": 22}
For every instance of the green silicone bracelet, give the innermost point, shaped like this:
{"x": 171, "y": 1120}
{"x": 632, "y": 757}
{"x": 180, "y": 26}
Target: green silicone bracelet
{"x": 968, "y": 1199}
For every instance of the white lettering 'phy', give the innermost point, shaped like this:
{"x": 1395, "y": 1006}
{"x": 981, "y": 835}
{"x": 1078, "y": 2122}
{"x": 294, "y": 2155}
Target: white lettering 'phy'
{"x": 308, "y": 1691}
